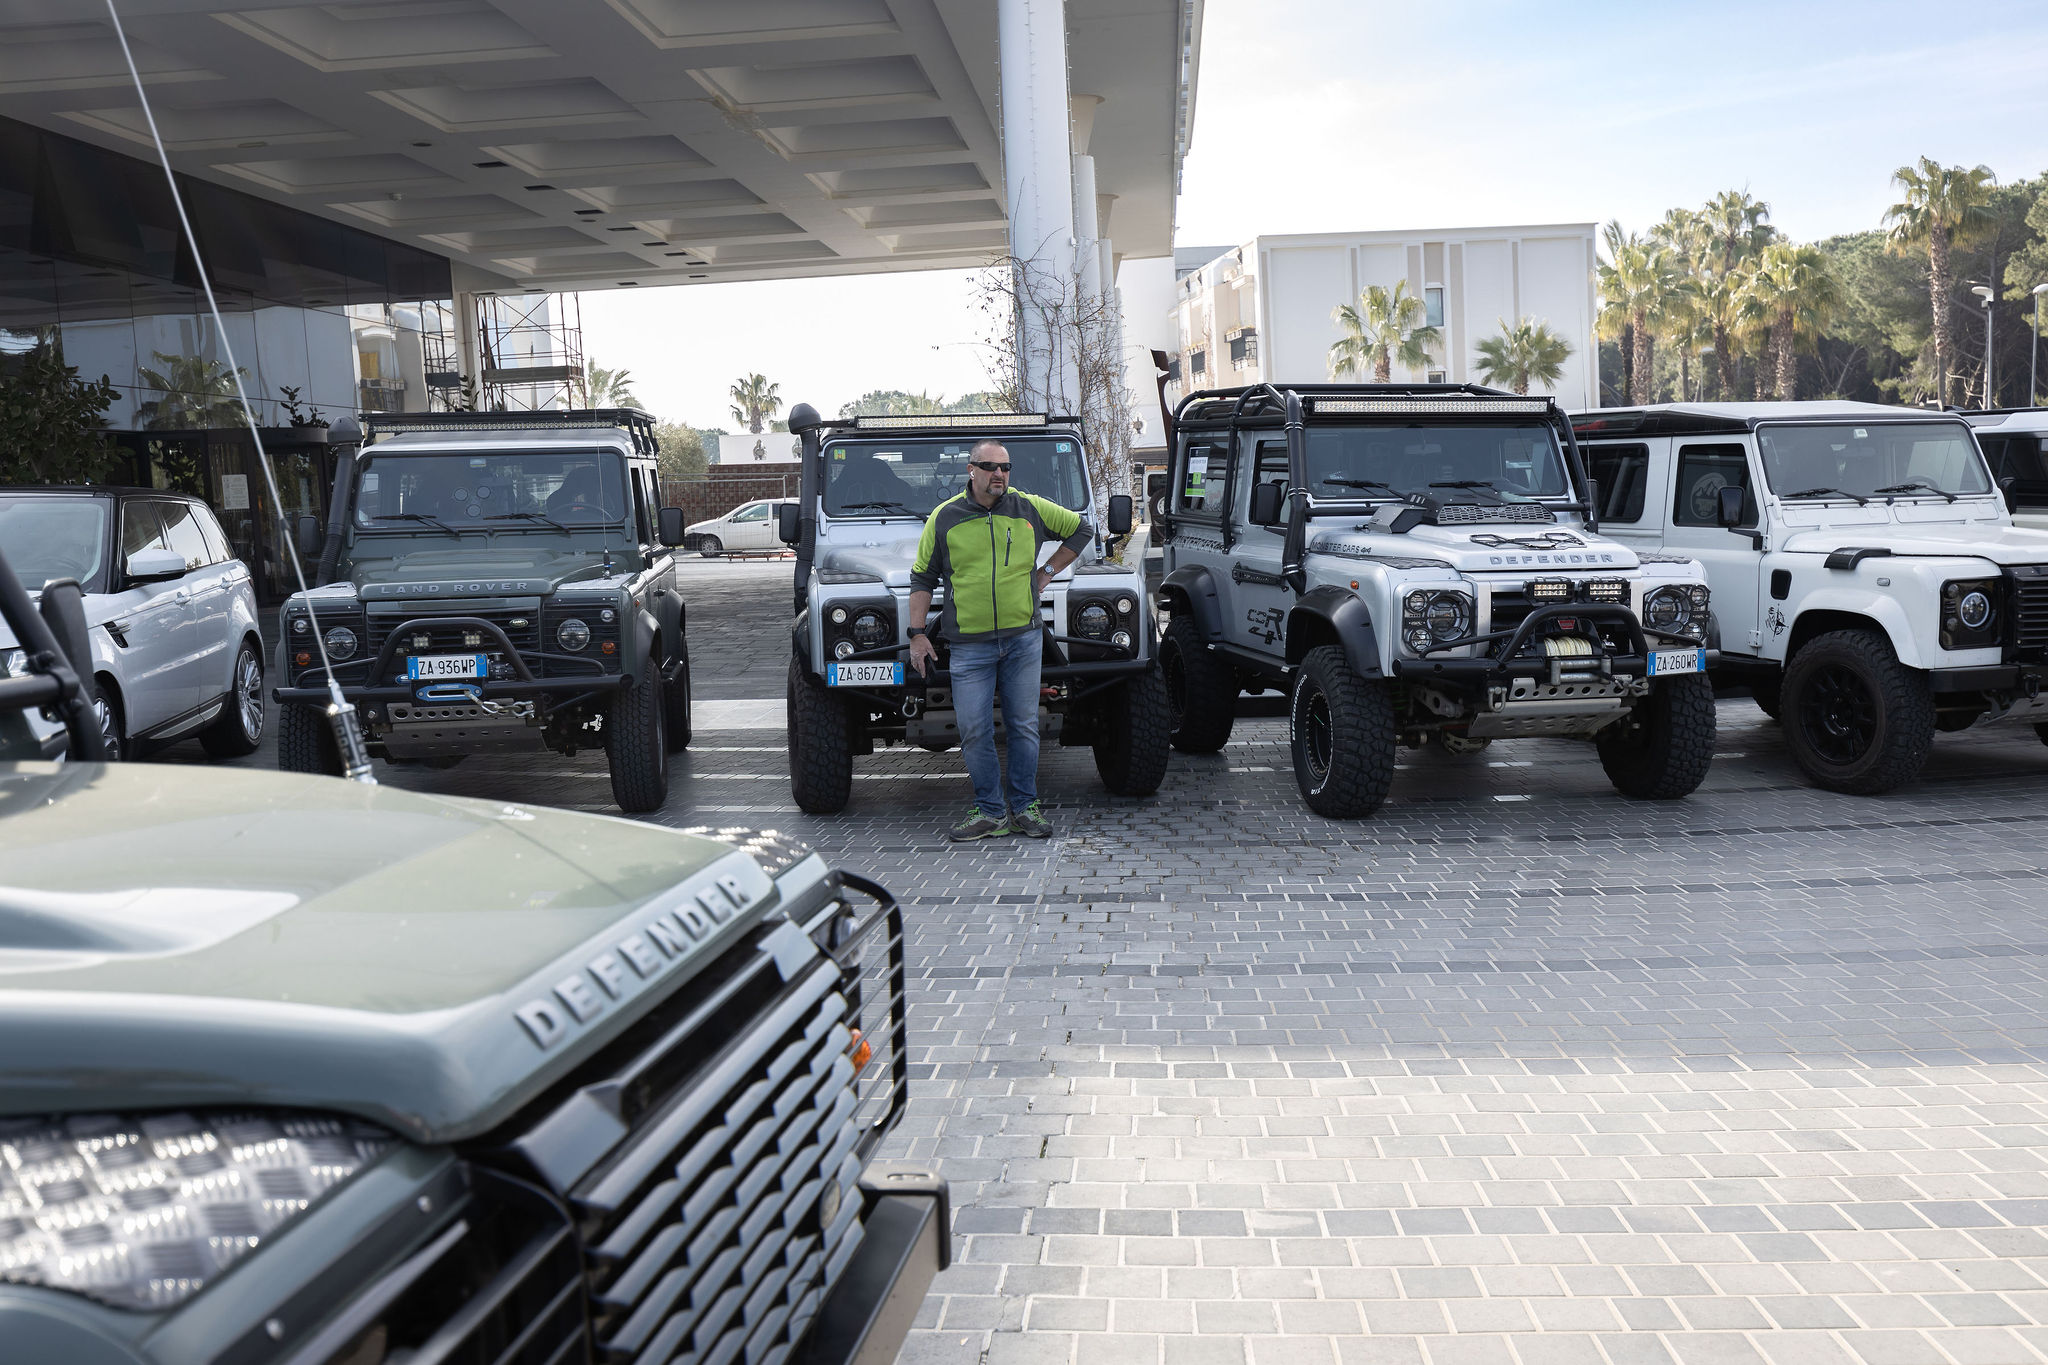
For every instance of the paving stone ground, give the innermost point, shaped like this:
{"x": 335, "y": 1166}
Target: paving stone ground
{"x": 1515, "y": 1071}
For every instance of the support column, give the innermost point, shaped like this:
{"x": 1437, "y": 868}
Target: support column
{"x": 1038, "y": 185}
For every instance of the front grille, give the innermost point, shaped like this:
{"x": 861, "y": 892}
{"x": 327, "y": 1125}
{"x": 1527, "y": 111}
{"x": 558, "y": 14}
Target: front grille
{"x": 2030, "y": 610}
{"x": 713, "y": 1230}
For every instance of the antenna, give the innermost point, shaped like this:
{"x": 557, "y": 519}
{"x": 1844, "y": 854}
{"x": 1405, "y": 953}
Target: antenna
{"x": 355, "y": 756}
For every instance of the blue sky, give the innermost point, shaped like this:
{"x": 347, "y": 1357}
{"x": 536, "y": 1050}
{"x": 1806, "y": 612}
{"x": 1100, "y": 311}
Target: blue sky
{"x": 1361, "y": 115}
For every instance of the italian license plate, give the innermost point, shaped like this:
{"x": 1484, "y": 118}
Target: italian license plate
{"x": 1668, "y": 661}
{"x": 427, "y": 667}
{"x": 865, "y": 675}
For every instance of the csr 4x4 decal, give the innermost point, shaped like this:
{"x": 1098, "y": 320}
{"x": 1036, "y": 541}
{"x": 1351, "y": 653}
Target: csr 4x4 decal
{"x": 1267, "y": 623}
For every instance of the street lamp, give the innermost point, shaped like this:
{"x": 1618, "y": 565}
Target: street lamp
{"x": 2034, "y": 344}
{"x": 1987, "y": 294}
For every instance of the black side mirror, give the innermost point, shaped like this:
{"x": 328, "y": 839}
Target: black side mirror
{"x": 668, "y": 525}
{"x": 789, "y": 522}
{"x": 1267, "y": 500}
{"x": 311, "y": 537}
{"x": 1120, "y": 514}
{"x": 1729, "y": 506}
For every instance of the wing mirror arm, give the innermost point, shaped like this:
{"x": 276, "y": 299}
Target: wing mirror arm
{"x": 1728, "y": 508}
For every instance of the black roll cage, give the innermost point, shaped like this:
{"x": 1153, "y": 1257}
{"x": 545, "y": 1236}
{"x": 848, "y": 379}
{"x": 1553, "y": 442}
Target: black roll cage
{"x": 1263, "y": 401}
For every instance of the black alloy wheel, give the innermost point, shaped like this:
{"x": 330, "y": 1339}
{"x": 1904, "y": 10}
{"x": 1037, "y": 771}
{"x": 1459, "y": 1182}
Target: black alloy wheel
{"x": 1838, "y": 712}
{"x": 1342, "y": 733}
{"x": 1856, "y": 719}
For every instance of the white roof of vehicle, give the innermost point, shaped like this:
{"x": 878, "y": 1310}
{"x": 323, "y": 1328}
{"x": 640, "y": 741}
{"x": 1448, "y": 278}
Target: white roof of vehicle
{"x": 2027, "y": 419}
{"x": 1758, "y": 412}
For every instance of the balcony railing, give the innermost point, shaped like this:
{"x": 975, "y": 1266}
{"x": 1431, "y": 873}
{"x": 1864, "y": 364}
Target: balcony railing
{"x": 381, "y": 395}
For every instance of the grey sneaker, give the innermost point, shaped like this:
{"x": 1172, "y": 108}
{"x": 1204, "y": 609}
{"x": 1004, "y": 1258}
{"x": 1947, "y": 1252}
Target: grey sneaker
{"x": 976, "y": 826}
{"x": 1030, "y": 822}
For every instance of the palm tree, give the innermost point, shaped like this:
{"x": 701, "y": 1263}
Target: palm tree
{"x": 1942, "y": 206}
{"x": 1528, "y": 352}
{"x": 1636, "y": 288}
{"x": 198, "y": 393}
{"x": 608, "y": 388}
{"x": 754, "y": 402}
{"x": 1736, "y": 228}
{"x": 1381, "y": 328}
{"x": 1796, "y": 289}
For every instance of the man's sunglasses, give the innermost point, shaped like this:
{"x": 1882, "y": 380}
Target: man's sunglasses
{"x": 991, "y": 466}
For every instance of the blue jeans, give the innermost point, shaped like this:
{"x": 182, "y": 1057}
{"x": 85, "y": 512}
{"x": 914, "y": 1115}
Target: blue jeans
{"x": 979, "y": 669}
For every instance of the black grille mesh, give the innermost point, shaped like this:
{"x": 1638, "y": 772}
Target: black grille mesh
{"x": 2030, "y": 612}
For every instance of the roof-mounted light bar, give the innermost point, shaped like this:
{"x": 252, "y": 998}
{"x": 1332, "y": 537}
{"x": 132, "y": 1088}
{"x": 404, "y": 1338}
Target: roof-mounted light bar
{"x": 953, "y": 419}
{"x": 1334, "y": 406}
{"x": 639, "y": 424}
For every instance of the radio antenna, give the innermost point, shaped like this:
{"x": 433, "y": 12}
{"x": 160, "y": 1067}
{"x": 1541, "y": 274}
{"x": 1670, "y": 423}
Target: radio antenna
{"x": 355, "y": 755}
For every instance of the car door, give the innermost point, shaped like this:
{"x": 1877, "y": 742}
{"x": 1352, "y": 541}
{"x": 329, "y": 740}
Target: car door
{"x": 147, "y": 623}
{"x": 1195, "y": 494}
{"x": 204, "y": 656}
{"x": 1699, "y": 471}
{"x": 1256, "y": 599}
{"x": 749, "y": 528}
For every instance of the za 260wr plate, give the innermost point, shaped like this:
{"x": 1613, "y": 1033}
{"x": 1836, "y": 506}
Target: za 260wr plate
{"x": 1664, "y": 662}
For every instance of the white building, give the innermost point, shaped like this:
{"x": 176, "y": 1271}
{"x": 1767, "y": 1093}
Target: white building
{"x": 770, "y": 447}
{"x": 1262, "y": 312}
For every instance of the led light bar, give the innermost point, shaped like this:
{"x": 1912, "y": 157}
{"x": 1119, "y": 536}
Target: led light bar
{"x": 1329, "y": 406}
{"x": 952, "y": 419}
{"x": 1607, "y": 590}
{"x": 1544, "y": 590}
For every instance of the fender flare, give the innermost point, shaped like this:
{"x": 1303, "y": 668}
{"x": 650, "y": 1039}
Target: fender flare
{"x": 800, "y": 639}
{"x": 1887, "y": 613}
{"x": 1347, "y": 617}
{"x": 654, "y": 635}
{"x": 1191, "y": 589}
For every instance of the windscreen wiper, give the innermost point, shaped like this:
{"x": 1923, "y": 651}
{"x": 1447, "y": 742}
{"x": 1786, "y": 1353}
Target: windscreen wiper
{"x": 1365, "y": 483}
{"x": 1471, "y": 483}
{"x": 1823, "y": 492}
{"x": 1915, "y": 486}
{"x": 527, "y": 516}
{"x": 864, "y": 506}
{"x": 434, "y": 522}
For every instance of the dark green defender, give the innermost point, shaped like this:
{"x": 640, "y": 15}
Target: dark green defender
{"x": 495, "y": 582}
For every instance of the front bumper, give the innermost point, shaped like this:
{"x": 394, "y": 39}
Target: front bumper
{"x": 869, "y": 1311}
{"x": 2030, "y": 680}
{"x": 1507, "y": 665}
{"x": 524, "y": 686}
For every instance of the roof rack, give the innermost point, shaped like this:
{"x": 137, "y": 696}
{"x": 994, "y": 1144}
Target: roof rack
{"x": 952, "y": 421}
{"x": 1340, "y": 399}
{"x": 634, "y": 421}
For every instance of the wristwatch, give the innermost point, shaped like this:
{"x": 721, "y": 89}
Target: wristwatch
{"x": 916, "y": 631}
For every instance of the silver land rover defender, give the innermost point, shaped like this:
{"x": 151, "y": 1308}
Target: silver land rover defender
{"x": 1417, "y": 562}
{"x": 868, "y": 484}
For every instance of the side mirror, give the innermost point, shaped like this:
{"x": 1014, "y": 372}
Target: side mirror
{"x": 1267, "y": 500}
{"x": 1120, "y": 514}
{"x": 668, "y": 525}
{"x": 153, "y": 565}
{"x": 311, "y": 537}
{"x": 1729, "y": 507}
{"x": 789, "y": 522}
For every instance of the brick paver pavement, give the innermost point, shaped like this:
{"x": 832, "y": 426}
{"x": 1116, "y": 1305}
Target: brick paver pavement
{"x": 1515, "y": 1071}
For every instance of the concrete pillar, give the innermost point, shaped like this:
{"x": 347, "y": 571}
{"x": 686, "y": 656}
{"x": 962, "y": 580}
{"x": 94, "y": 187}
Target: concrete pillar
{"x": 1038, "y": 185}
{"x": 1087, "y": 236}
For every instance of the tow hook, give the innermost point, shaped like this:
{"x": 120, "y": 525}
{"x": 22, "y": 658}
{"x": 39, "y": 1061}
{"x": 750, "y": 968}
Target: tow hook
{"x": 912, "y": 707}
{"x": 447, "y": 692}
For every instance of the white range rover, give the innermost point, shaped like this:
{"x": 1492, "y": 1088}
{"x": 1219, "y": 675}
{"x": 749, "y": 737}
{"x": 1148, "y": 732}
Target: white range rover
{"x": 1869, "y": 582}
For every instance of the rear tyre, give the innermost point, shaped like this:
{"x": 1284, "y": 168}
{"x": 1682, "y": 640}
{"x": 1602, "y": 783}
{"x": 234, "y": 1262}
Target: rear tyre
{"x": 677, "y": 699}
{"x": 820, "y": 746}
{"x": 239, "y": 730}
{"x": 1342, "y": 731}
{"x": 1134, "y": 736}
{"x": 711, "y": 547}
{"x": 1663, "y": 749}
{"x": 635, "y": 742}
{"x": 1201, "y": 693}
{"x": 1856, "y": 719}
{"x": 305, "y": 741}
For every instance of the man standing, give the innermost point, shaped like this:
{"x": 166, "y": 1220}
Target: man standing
{"x": 984, "y": 545}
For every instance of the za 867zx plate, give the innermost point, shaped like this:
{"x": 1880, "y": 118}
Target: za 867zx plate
{"x": 865, "y": 675}
{"x": 1666, "y": 662}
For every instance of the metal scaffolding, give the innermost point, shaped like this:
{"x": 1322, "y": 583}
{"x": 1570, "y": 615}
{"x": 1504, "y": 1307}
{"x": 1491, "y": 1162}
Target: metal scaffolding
{"x": 531, "y": 350}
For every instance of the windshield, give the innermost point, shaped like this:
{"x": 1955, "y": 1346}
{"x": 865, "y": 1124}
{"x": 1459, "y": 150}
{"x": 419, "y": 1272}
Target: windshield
{"x": 1876, "y": 459}
{"x": 508, "y": 491}
{"x": 50, "y": 538}
{"x": 1519, "y": 463}
{"x": 871, "y": 478}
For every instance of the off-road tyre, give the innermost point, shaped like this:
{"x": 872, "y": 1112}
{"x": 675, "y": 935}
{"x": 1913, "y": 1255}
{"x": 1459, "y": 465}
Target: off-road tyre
{"x": 1201, "y": 691}
{"x": 1342, "y": 733}
{"x": 1134, "y": 735}
{"x": 1856, "y": 719}
{"x": 676, "y": 697}
{"x": 820, "y": 746}
{"x": 1770, "y": 697}
{"x": 305, "y": 741}
{"x": 1663, "y": 748}
{"x": 711, "y": 547}
{"x": 635, "y": 743}
{"x": 239, "y": 731}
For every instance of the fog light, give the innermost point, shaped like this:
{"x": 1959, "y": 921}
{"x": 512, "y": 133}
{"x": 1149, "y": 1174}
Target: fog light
{"x": 1122, "y": 639}
{"x": 472, "y": 639}
{"x": 572, "y": 635}
{"x": 341, "y": 642}
{"x": 1125, "y": 606}
{"x": 1418, "y": 639}
{"x": 421, "y": 641}
{"x": 607, "y": 616}
{"x": 839, "y": 616}
{"x": 843, "y": 650}
{"x": 300, "y": 626}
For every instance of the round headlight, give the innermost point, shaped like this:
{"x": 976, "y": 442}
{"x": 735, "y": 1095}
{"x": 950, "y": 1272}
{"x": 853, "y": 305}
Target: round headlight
{"x": 839, "y": 616}
{"x": 1122, "y": 639}
{"x": 1668, "y": 609}
{"x": 341, "y": 642}
{"x": 1093, "y": 622}
{"x": 572, "y": 635}
{"x": 1125, "y": 606}
{"x": 1975, "y": 610}
{"x": 843, "y": 650}
{"x": 871, "y": 629}
{"x": 1447, "y": 615}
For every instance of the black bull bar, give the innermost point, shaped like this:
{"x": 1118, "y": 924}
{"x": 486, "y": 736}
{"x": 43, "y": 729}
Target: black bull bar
{"x": 524, "y": 685}
{"x": 1506, "y": 662}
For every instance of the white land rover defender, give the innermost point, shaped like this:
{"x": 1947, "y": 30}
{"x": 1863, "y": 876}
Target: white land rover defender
{"x": 1418, "y": 561}
{"x": 868, "y": 484}
{"x": 2015, "y": 441}
{"x": 1870, "y": 584}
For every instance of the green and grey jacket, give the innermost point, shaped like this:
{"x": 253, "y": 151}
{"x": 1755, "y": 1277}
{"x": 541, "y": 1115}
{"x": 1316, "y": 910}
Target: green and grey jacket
{"x": 986, "y": 556}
